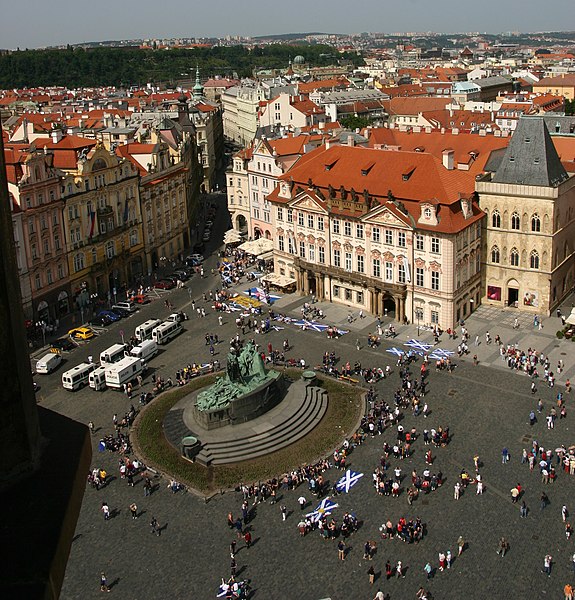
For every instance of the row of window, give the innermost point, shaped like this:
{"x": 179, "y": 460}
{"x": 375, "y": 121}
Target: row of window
{"x": 515, "y": 221}
{"x": 29, "y": 201}
{"x": 39, "y": 284}
{"x": 514, "y": 257}
{"x": 45, "y": 247}
{"x": 43, "y": 222}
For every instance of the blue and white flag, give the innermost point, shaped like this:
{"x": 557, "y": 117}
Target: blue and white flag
{"x": 348, "y": 481}
{"x": 310, "y": 325}
{"x": 417, "y": 345}
{"x": 262, "y": 295}
{"x": 443, "y": 353}
{"x": 396, "y": 351}
{"x": 325, "y": 507}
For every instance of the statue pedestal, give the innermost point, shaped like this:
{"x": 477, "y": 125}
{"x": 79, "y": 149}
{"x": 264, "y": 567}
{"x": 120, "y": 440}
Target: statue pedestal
{"x": 258, "y": 400}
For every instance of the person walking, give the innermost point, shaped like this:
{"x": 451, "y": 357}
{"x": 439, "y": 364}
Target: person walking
{"x": 568, "y": 591}
{"x": 105, "y": 511}
{"x": 341, "y": 550}
{"x": 448, "y": 559}
{"x": 371, "y": 574}
{"x": 302, "y": 502}
{"x": 523, "y": 510}
{"x": 503, "y": 547}
{"x": 220, "y": 320}
{"x": 134, "y": 510}
{"x": 155, "y": 528}
{"x": 283, "y": 509}
{"x": 399, "y": 571}
{"x": 428, "y": 570}
{"x": 547, "y": 562}
{"x": 91, "y": 427}
{"x": 460, "y": 545}
{"x": 104, "y": 587}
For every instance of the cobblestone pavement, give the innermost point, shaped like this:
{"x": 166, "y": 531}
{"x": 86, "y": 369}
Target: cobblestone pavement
{"x": 486, "y": 408}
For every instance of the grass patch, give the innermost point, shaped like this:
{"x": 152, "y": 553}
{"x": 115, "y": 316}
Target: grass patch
{"x": 345, "y": 407}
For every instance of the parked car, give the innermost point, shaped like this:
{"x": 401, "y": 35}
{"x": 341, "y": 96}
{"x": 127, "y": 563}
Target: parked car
{"x": 62, "y": 345}
{"x": 81, "y": 333}
{"x": 181, "y": 274}
{"x": 140, "y": 299}
{"x": 569, "y": 333}
{"x": 101, "y": 320}
{"x": 164, "y": 284}
{"x": 120, "y": 312}
{"x": 199, "y": 258}
{"x": 113, "y": 315}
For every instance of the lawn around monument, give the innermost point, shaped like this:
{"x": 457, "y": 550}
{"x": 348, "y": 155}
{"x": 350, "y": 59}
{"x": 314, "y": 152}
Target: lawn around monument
{"x": 345, "y": 408}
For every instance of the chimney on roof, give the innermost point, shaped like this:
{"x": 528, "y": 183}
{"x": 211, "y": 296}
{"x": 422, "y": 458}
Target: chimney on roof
{"x": 448, "y": 159}
{"x": 57, "y": 135}
{"x": 350, "y": 140}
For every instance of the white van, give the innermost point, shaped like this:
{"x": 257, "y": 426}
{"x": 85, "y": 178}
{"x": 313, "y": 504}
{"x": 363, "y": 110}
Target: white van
{"x": 146, "y": 350}
{"x": 113, "y": 354}
{"x": 144, "y": 331}
{"x": 48, "y": 363}
{"x": 78, "y": 376}
{"x": 97, "y": 379}
{"x": 123, "y": 371}
{"x": 168, "y": 330}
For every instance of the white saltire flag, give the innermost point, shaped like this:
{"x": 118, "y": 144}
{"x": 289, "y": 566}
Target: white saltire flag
{"x": 396, "y": 351}
{"x": 417, "y": 345}
{"x": 348, "y": 481}
{"x": 325, "y": 507}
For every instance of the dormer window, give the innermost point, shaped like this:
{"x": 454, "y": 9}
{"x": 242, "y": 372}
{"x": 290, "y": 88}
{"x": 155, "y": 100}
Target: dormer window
{"x": 427, "y": 213}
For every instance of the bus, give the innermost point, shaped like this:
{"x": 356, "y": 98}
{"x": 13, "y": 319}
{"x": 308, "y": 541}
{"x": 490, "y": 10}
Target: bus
{"x": 168, "y": 330}
{"x": 77, "y": 377}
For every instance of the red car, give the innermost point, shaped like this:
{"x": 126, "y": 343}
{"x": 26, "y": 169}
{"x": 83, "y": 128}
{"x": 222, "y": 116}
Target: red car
{"x": 140, "y": 299}
{"x": 164, "y": 284}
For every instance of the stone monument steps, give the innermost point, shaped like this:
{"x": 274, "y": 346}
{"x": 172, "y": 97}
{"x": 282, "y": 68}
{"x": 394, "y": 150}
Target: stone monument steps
{"x": 297, "y": 425}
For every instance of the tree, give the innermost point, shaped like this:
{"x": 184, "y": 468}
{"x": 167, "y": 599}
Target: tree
{"x": 354, "y": 122}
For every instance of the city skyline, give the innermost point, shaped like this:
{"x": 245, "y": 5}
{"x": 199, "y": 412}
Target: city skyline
{"x": 43, "y": 22}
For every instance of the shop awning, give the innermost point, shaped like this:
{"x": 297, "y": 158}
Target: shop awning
{"x": 278, "y": 280}
{"x": 257, "y": 247}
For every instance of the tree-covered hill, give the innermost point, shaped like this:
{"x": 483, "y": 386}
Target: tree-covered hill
{"x": 79, "y": 67}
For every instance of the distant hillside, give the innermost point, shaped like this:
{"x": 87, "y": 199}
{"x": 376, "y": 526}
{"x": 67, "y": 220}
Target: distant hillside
{"x": 79, "y": 67}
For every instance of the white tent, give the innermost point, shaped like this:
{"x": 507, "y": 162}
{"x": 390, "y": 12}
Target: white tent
{"x": 232, "y": 237}
{"x": 258, "y": 247}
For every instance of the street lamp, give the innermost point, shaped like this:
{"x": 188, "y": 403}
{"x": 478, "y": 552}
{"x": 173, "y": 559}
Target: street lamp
{"x": 418, "y": 315}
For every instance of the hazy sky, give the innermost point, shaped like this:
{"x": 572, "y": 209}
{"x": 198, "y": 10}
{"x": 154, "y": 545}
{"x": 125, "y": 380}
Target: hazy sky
{"x": 34, "y": 23}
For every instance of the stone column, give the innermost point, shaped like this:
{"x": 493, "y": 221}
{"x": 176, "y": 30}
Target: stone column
{"x": 305, "y": 275}
{"x": 398, "y": 309}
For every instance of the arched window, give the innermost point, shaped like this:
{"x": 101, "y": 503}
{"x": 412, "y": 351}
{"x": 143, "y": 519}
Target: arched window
{"x": 534, "y": 260}
{"x": 495, "y": 255}
{"x": 514, "y": 257}
{"x": 535, "y": 222}
{"x": 79, "y": 262}
{"x": 496, "y": 219}
{"x": 515, "y": 221}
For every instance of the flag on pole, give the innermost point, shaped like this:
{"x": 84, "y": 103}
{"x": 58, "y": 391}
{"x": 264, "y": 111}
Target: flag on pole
{"x": 348, "y": 481}
{"x": 325, "y": 507}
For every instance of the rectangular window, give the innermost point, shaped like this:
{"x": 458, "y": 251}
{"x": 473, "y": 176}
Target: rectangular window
{"x": 389, "y": 237}
{"x": 310, "y": 221}
{"x": 280, "y": 213}
{"x": 434, "y": 317}
{"x": 418, "y": 241}
{"x": 401, "y": 239}
{"x": 311, "y": 250}
{"x": 321, "y": 252}
{"x": 302, "y": 249}
{"x": 435, "y": 245}
{"x": 300, "y": 218}
{"x": 57, "y": 242}
{"x": 291, "y": 248}
{"x": 348, "y": 266}
{"x": 336, "y": 291}
{"x": 419, "y": 276}
{"x": 376, "y": 267}
{"x": 49, "y": 276}
{"x": 320, "y": 223}
{"x": 281, "y": 242}
{"x": 256, "y": 213}
{"x": 60, "y": 272}
{"x": 38, "y": 282}
{"x": 348, "y": 295}
{"x": 359, "y": 230}
{"x": 337, "y": 258}
{"x": 388, "y": 271}
{"x": 401, "y": 272}
{"x": 359, "y": 297}
{"x": 360, "y": 263}
{"x": 435, "y": 280}
{"x": 375, "y": 234}
{"x": 336, "y": 225}
{"x": 290, "y": 215}
{"x": 346, "y": 228}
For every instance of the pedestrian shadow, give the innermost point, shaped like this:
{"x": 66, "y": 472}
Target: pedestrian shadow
{"x": 164, "y": 527}
{"x": 255, "y": 541}
{"x": 240, "y": 571}
{"x": 141, "y": 513}
{"x": 377, "y": 576}
{"x": 114, "y": 513}
{"x": 77, "y": 537}
{"x": 114, "y": 583}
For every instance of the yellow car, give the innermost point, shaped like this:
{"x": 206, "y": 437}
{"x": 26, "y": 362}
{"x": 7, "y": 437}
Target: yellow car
{"x": 81, "y": 333}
